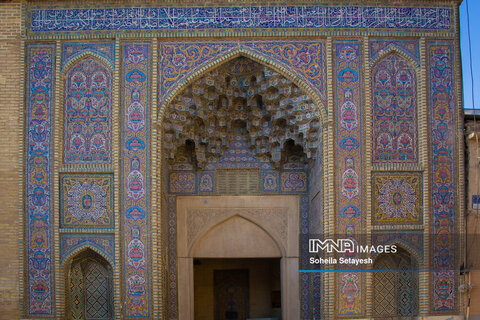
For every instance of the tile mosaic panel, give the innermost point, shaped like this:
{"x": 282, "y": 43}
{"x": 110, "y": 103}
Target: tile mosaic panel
{"x": 443, "y": 153}
{"x": 315, "y": 172}
{"x": 316, "y": 293}
{"x": 316, "y": 214}
{"x": 179, "y": 59}
{"x": 238, "y": 156}
{"x": 39, "y": 282}
{"x": 293, "y": 181}
{"x": 408, "y": 47}
{"x": 305, "y": 278}
{"x": 182, "y": 182}
{"x": 172, "y": 258}
{"x": 76, "y": 297}
{"x": 88, "y": 110}
{"x": 250, "y": 17}
{"x": 72, "y": 243}
{"x": 72, "y": 50}
{"x": 310, "y": 283}
{"x": 86, "y": 200}
{"x": 303, "y": 58}
{"x": 135, "y": 78}
{"x": 394, "y": 106}
{"x": 206, "y": 182}
{"x": 397, "y": 198}
{"x": 270, "y": 181}
{"x": 349, "y": 167}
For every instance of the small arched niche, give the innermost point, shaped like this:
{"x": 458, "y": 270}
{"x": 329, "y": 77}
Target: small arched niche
{"x": 395, "y": 285}
{"x": 89, "y": 287}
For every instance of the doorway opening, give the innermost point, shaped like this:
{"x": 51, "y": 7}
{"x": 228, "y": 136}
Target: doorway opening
{"x": 237, "y": 289}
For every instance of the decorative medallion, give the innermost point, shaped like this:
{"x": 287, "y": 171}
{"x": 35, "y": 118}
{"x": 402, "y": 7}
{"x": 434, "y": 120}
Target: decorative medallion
{"x": 183, "y": 182}
{"x": 293, "y": 181}
{"x": 86, "y": 200}
{"x": 206, "y": 182}
{"x": 397, "y": 198}
{"x": 270, "y": 181}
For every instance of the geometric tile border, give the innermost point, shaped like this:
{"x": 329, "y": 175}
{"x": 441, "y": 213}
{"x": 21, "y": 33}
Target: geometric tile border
{"x": 443, "y": 154}
{"x": 38, "y": 180}
{"x": 136, "y": 189}
{"x": 349, "y": 166}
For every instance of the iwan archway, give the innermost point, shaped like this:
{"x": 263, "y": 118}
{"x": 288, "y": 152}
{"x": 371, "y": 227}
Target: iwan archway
{"x": 241, "y": 153}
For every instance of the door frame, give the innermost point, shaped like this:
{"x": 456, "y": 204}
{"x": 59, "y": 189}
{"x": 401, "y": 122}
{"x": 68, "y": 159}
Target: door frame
{"x": 278, "y": 216}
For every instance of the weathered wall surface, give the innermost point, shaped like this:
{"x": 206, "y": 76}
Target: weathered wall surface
{"x": 473, "y": 248}
{"x": 10, "y": 133}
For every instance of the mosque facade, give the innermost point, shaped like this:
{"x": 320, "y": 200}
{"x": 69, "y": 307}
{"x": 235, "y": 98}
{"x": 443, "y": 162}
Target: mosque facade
{"x": 172, "y": 159}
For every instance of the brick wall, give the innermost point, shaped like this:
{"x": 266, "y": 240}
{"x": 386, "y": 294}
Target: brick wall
{"x": 473, "y": 239}
{"x": 11, "y": 124}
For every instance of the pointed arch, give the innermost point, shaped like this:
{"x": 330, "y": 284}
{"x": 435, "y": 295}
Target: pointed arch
{"x": 81, "y": 248}
{"x": 394, "y": 49}
{"x": 89, "y": 286}
{"x": 403, "y": 245}
{"x": 231, "y": 54}
{"x": 212, "y": 225}
{"x": 395, "y": 285}
{"x": 85, "y": 54}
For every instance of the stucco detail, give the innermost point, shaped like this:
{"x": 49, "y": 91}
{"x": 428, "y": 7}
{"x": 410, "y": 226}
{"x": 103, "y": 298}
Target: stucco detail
{"x": 201, "y": 220}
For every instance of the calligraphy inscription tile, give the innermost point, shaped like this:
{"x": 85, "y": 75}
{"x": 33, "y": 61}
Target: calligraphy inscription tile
{"x": 97, "y": 19}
